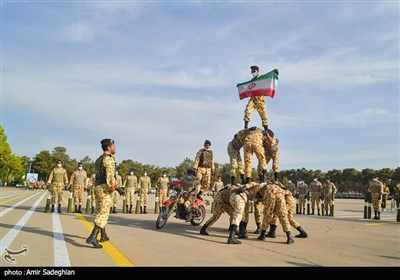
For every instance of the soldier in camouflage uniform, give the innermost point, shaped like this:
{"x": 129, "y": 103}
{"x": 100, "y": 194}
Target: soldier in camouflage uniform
{"x": 218, "y": 185}
{"x": 192, "y": 186}
{"x": 302, "y": 190}
{"x": 130, "y": 185}
{"x": 329, "y": 190}
{"x": 204, "y": 166}
{"x": 92, "y": 184}
{"x": 290, "y": 206}
{"x": 106, "y": 183}
{"x": 144, "y": 188}
{"x": 77, "y": 182}
{"x": 271, "y": 149}
{"x": 252, "y": 140}
{"x": 275, "y": 206}
{"x": 386, "y": 192}
{"x": 256, "y": 102}
{"x": 57, "y": 179}
{"x": 315, "y": 189}
{"x": 291, "y": 187}
{"x": 376, "y": 188}
{"x": 162, "y": 186}
{"x": 115, "y": 195}
{"x": 396, "y": 194}
{"x": 235, "y": 159}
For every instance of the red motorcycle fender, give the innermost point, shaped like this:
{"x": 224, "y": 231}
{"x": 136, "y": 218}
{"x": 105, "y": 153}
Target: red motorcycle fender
{"x": 168, "y": 202}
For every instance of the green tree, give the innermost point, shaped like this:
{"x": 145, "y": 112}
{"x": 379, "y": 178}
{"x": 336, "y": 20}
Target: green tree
{"x": 43, "y": 163}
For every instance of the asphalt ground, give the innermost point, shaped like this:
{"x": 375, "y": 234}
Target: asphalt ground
{"x": 34, "y": 238}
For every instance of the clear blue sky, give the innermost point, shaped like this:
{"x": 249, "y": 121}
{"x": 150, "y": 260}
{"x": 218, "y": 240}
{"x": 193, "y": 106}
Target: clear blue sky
{"x": 159, "y": 77}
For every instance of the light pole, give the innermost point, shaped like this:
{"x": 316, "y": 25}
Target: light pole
{"x": 30, "y": 165}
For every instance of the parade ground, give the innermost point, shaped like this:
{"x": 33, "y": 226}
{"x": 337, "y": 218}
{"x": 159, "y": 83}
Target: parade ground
{"x": 32, "y": 238}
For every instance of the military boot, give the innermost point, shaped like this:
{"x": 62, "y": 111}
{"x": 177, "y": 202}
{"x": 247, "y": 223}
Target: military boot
{"x": 258, "y": 228}
{"x": 110, "y": 210}
{"x": 203, "y": 230}
{"x": 92, "y": 211}
{"x": 52, "y": 208}
{"x": 59, "y": 208}
{"x": 312, "y": 213}
{"x": 243, "y": 231}
{"x": 144, "y": 210}
{"x": 265, "y": 127}
{"x": 141, "y": 210}
{"x": 232, "y": 239}
{"x": 276, "y": 176}
{"x": 114, "y": 210}
{"x": 103, "y": 236}
{"x": 302, "y": 234}
{"x": 76, "y": 209}
{"x": 289, "y": 238}
{"x": 243, "y": 179}
{"x": 304, "y": 211}
{"x": 248, "y": 180}
{"x": 92, "y": 239}
{"x": 271, "y": 233}
{"x": 233, "y": 180}
{"x": 246, "y": 124}
{"x": 262, "y": 235}
{"x": 80, "y": 209}
{"x": 130, "y": 209}
{"x": 379, "y": 216}
{"x": 326, "y": 212}
{"x": 319, "y": 213}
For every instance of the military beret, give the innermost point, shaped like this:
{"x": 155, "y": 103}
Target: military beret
{"x": 107, "y": 142}
{"x": 59, "y": 161}
{"x": 254, "y": 68}
{"x": 207, "y": 142}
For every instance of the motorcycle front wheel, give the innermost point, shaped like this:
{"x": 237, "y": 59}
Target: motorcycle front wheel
{"x": 163, "y": 216}
{"x": 199, "y": 218}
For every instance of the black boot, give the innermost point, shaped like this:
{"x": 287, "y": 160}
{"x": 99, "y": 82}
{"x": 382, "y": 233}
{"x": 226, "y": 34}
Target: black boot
{"x": 271, "y": 233}
{"x": 114, "y": 210}
{"x": 52, "y": 208}
{"x": 59, "y": 208}
{"x": 103, "y": 236}
{"x": 319, "y": 214}
{"x": 242, "y": 231}
{"x": 243, "y": 178}
{"x": 289, "y": 238}
{"x": 276, "y": 176}
{"x": 248, "y": 180}
{"x": 233, "y": 180}
{"x": 246, "y": 125}
{"x": 144, "y": 210}
{"x": 126, "y": 209}
{"x": 304, "y": 211}
{"x": 379, "y": 215}
{"x": 302, "y": 234}
{"x": 232, "y": 239}
{"x": 312, "y": 213}
{"x": 265, "y": 127}
{"x": 80, "y": 209}
{"x": 258, "y": 228}
{"x": 130, "y": 209}
{"x": 92, "y": 239}
{"x": 141, "y": 209}
{"x": 203, "y": 230}
{"x": 262, "y": 235}
{"x": 76, "y": 209}
{"x": 92, "y": 212}
{"x": 110, "y": 210}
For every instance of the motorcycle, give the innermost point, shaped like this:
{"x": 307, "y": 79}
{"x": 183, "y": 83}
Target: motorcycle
{"x": 175, "y": 204}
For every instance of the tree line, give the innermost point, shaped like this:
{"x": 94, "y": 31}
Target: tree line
{"x": 13, "y": 169}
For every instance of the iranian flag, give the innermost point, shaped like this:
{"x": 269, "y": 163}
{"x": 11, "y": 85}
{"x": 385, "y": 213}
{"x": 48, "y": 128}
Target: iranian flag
{"x": 264, "y": 85}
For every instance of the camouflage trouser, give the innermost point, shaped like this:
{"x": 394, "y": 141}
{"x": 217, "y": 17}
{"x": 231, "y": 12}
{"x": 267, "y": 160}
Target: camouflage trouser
{"x": 257, "y": 211}
{"x": 275, "y": 205}
{"x": 204, "y": 176}
{"x": 238, "y": 203}
{"x": 302, "y": 201}
{"x": 290, "y": 206}
{"x": 143, "y": 196}
{"x": 78, "y": 194}
{"x": 376, "y": 201}
{"x": 315, "y": 197}
{"x": 275, "y": 160}
{"x": 220, "y": 206}
{"x": 93, "y": 196}
{"x": 249, "y": 149}
{"x": 129, "y": 194}
{"x": 384, "y": 199}
{"x": 396, "y": 198}
{"x": 114, "y": 198}
{"x": 103, "y": 205}
{"x": 328, "y": 201}
{"x": 258, "y": 103}
{"x": 236, "y": 162}
{"x": 162, "y": 196}
{"x": 57, "y": 191}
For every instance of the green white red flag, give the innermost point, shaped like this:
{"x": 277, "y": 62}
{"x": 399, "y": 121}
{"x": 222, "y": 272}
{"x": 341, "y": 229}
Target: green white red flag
{"x": 263, "y": 85}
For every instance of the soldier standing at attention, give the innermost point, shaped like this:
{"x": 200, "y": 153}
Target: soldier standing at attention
{"x": 396, "y": 194}
{"x": 57, "y": 179}
{"x": 315, "y": 189}
{"x": 386, "y": 192}
{"x": 77, "y": 181}
{"x": 106, "y": 183}
{"x": 204, "y": 166}
{"x": 92, "y": 183}
{"x": 144, "y": 188}
{"x": 235, "y": 159}
{"x": 130, "y": 184}
{"x": 218, "y": 185}
{"x": 329, "y": 192}
{"x": 256, "y": 102}
{"x": 376, "y": 188}
{"x": 115, "y": 195}
{"x": 271, "y": 149}
{"x": 162, "y": 185}
{"x": 302, "y": 190}
{"x": 291, "y": 187}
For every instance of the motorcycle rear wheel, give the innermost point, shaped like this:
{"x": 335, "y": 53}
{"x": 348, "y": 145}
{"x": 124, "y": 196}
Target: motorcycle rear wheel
{"x": 196, "y": 221}
{"x": 163, "y": 216}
